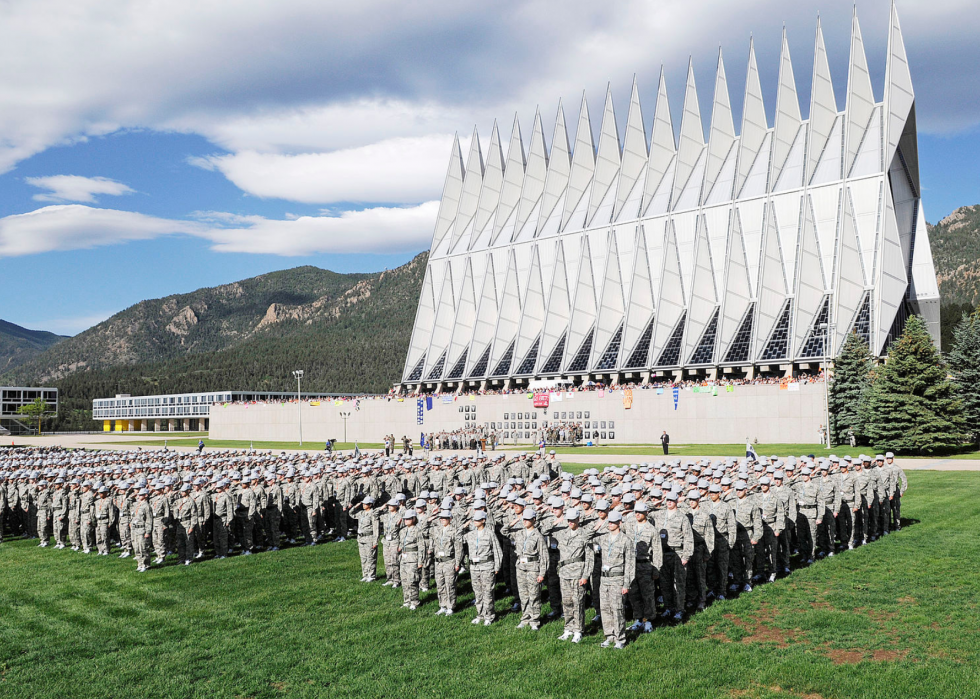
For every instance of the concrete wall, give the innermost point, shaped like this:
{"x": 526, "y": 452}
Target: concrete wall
{"x": 763, "y": 412}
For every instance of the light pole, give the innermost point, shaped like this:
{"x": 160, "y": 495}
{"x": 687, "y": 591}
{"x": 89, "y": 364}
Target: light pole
{"x": 827, "y": 332}
{"x": 299, "y": 402}
{"x": 344, "y": 415}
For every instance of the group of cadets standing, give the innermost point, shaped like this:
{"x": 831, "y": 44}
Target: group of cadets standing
{"x": 651, "y": 541}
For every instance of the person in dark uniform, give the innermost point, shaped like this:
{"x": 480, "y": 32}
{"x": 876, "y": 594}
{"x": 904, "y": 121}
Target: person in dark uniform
{"x": 665, "y": 441}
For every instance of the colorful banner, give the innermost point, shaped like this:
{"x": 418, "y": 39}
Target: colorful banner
{"x": 677, "y": 396}
{"x": 556, "y": 397}
{"x": 627, "y": 398}
{"x": 420, "y": 411}
{"x": 730, "y": 389}
{"x": 542, "y": 400}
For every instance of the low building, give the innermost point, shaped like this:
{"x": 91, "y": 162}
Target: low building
{"x": 14, "y": 398}
{"x": 177, "y": 412}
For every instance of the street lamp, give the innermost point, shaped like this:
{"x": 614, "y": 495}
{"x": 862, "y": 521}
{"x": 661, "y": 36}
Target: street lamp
{"x": 344, "y": 415}
{"x": 827, "y": 332}
{"x": 298, "y": 374}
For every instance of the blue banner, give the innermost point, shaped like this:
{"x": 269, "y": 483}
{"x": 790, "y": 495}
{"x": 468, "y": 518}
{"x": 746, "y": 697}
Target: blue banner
{"x": 677, "y": 395}
{"x": 420, "y": 415}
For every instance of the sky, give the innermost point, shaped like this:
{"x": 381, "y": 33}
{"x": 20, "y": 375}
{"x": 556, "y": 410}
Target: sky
{"x": 151, "y": 148}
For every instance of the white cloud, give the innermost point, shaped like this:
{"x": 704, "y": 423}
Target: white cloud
{"x": 74, "y": 226}
{"x": 400, "y": 171}
{"x": 296, "y": 77}
{"x": 62, "y": 188}
{"x": 381, "y": 229}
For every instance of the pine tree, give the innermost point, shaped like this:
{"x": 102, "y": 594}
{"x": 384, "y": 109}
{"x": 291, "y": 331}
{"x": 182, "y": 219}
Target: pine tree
{"x": 913, "y": 407}
{"x": 964, "y": 364}
{"x": 848, "y": 390}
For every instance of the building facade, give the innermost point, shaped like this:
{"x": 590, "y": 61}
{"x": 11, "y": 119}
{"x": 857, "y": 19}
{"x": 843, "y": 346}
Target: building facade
{"x": 642, "y": 256}
{"x": 178, "y": 411}
{"x": 14, "y": 398}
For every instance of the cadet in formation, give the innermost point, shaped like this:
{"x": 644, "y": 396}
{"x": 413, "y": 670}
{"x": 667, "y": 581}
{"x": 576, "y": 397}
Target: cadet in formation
{"x": 650, "y": 542}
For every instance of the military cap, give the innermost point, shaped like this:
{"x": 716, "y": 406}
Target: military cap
{"x": 615, "y": 516}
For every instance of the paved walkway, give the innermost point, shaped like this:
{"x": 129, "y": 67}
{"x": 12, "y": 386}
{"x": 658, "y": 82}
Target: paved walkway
{"x": 116, "y": 441}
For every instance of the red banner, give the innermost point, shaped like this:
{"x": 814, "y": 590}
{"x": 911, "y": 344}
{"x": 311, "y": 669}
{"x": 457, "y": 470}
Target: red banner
{"x": 541, "y": 400}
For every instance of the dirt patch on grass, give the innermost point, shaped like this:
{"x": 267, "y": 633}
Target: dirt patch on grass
{"x": 714, "y": 634}
{"x": 844, "y": 657}
{"x": 758, "y": 690}
{"x": 760, "y": 628}
{"x": 890, "y": 655}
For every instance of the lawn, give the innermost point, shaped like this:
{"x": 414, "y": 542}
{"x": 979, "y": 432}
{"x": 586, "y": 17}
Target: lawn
{"x": 241, "y": 444}
{"x": 654, "y": 452}
{"x": 897, "y": 618}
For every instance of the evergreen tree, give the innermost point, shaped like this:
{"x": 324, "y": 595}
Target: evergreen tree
{"x": 964, "y": 364}
{"x": 848, "y": 390}
{"x": 913, "y": 407}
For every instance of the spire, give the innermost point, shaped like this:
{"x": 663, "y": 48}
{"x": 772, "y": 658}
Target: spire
{"x": 899, "y": 97}
{"x": 450, "y": 195}
{"x": 823, "y": 105}
{"x": 722, "y": 134}
{"x": 558, "y": 168}
{"x": 469, "y": 197}
{"x": 754, "y": 124}
{"x": 583, "y": 162}
{"x": 860, "y": 97}
{"x": 634, "y": 153}
{"x": 608, "y": 158}
{"x": 534, "y": 175}
{"x": 662, "y": 148}
{"x": 493, "y": 178}
{"x": 510, "y": 190}
{"x": 691, "y": 141}
{"x": 788, "y": 119}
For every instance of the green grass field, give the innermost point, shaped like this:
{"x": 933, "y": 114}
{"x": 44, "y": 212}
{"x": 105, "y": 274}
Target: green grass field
{"x": 654, "y": 452}
{"x": 243, "y": 444}
{"x": 897, "y": 618}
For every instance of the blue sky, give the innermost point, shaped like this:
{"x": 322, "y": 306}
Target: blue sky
{"x": 149, "y": 150}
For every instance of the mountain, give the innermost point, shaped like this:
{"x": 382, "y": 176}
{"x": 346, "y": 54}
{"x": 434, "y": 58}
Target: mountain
{"x": 348, "y": 332}
{"x": 19, "y": 345}
{"x": 956, "y": 253}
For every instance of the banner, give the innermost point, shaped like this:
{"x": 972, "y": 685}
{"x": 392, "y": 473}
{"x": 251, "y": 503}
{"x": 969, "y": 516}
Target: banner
{"x": 677, "y": 396}
{"x": 541, "y": 400}
{"x": 730, "y": 389}
{"x": 556, "y": 397}
{"x": 601, "y": 392}
{"x": 794, "y": 386}
{"x": 447, "y": 399}
{"x": 627, "y": 398}
{"x": 428, "y": 402}
{"x": 420, "y": 412}
{"x": 660, "y": 391}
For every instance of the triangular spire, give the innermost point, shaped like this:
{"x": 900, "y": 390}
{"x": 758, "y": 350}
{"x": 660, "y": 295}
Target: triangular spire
{"x": 754, "y": 124}
{"x": 534, "y": 175}
{"x": 860, "y": 97}
{"x": 634, "y": 154}
{"x": 611, "y": 306}
{"x": 823, "y": 105}
{"x": 583, "y": 163}
{"x": 738, "y": 294}
{"x": 558, "y": 169}
{"x": 469, "y": 198}
{"x": 639, "y": 311}
{"x": 670, "y": 300}
{"x": 422, "y": 329}
{"x": 702, "y": 302}
{"x": 809, "y": 284}
{"x": 608, "y": 157}
{"x": 849, "y": 275}
{"x": 465, "y": 316}
{"x": 583, "y": 304}
{"x": 691, "y": 141}
{"x": 510, "y": 190}
{"x": 893, "y": 282}
{"x": 532, "y": 317}
{"x": 510, "y": 313}
{"x": 772, "y": 285}
{"x": 486, "y": 317}
{"x": 450, "y": 195}
{"x": 899, "y": 97}
{"x": 788, "y": 118}
{"x": 442, "y": 327}
{"x": 722, "y": 134}
{"x": 493, "y": 179}
{"x": 559, "y": 310}
{"x": 662, "y": 148}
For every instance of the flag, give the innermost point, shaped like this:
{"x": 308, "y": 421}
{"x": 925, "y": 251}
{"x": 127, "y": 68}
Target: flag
{"x": 602, "y": 392}
{"x": 714, "y": 390}
{"x": 730, "y": 389}
{"x": 660, "y": 391}
{"x": 428, "y": 402}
